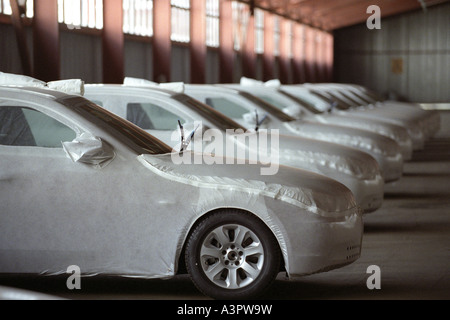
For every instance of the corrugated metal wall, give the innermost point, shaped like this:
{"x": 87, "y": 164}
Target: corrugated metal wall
{"x": 81, "y": 57}
{"x": 408, "y": 56}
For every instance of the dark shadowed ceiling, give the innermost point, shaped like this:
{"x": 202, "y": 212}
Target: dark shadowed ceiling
{"x": 334, "y": 14}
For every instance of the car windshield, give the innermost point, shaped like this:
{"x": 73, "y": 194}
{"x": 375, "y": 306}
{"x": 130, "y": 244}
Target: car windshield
{"x": 271, "y": 109}
{"x": 133, "y": 136}
{"x": 219, "y": 120}
{"x": 331, "y": 98}
{"x": 303, "y": 102}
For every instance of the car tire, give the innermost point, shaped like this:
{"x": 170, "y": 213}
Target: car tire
{"x": 232, "y": 255}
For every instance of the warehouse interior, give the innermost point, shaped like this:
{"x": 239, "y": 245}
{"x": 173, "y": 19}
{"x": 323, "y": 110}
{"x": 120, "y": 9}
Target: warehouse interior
{"x": 399, "y": 49}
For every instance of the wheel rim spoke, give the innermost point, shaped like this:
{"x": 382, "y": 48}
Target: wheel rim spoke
{"x": 256, "y": 249}
{"x": 210, "y": 252}
{"x": 213, "y": 271}
{"x": 232, "y": 279}
{"x": 241, "y": 233}
{"x": 250, "y": 271}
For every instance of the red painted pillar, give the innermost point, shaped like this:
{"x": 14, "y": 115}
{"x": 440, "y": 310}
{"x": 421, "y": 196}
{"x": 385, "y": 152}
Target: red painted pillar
{"x": 226, "y": 47}
{"x": 269, "y": 46}
{"x": 310, "y": 51}
{"x": 298, "y": 61}
{"x": 162, "y": 45}
{"x": 197, "y": 46}
{"x": 285, "y": 54}
{"x": 329, "y": 56}
{"x": 113, "y": 42}
{"x": 46, "y": 54}
{"x": 248, "y": 51}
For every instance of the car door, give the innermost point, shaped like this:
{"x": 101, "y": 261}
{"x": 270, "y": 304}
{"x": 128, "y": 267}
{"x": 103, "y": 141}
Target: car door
{"x": 51, "y": 212}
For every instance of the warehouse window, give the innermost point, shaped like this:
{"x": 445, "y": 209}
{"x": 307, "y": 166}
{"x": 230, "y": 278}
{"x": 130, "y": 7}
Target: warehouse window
{"x": 138, "y": 17}
{"x": 241, "y": 14}
{"x": 212, "y": 23}
{"x": 276, "y": 36}
{"x": 5, "y": 8}
{"x": 259, "y": 31}
{"x": 180, "y": 20}
{"x": 81, "y": 13}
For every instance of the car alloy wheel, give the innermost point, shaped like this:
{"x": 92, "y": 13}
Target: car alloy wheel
{"x": 232, "y": 254}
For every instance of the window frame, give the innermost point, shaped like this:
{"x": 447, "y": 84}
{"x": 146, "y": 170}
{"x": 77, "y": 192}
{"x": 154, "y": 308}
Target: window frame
{"x": 82, "y": 27}
{"x": 182, "y": 12}
{"x": 148, "y": 16}
{"x": 212, "y": 16}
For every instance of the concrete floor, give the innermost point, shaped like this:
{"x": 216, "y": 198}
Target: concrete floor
{"x": 408, "y": 239}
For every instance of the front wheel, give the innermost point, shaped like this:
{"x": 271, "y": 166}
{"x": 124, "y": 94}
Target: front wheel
{"x": 232, "y": 255}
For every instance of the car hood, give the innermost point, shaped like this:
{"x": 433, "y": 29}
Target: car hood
{"x": 356, "y": 138}
{"x": 319, "y": 153}
{"x": 392, "y": 131}
{"x": 307, "y": 190}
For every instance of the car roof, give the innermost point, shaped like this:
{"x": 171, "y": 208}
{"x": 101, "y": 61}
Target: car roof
{"x": 143, "y": 89}
{"x": 44, "y": 92}
{"x": 213, "y": 87}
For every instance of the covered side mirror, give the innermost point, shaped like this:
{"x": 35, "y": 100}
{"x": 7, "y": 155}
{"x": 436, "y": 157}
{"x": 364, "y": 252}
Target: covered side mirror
{"x": 89, "y": 150}
{"x": 294, "y": 111}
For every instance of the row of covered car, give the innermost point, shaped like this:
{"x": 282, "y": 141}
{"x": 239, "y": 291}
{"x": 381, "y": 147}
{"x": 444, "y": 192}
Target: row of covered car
{"x": 88, "y": 177}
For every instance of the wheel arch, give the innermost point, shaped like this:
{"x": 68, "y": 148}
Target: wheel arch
{"x": 180, "y": 259}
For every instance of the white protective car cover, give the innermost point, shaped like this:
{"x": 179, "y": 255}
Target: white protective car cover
{"x": 114, "y": 233}
{"x": 356, "y": 138}
{"x": 70, "y": 86}
{"x": 393, "y": 131}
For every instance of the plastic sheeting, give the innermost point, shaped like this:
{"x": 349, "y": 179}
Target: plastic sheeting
{"x": 70, "y": 86}
{"x": 348, "y": 136}
{"x": 173, "y": 86}
{"x": 132, "y": 217}
{"x": 89, "y": 150}
{"x": 310, "y": 192}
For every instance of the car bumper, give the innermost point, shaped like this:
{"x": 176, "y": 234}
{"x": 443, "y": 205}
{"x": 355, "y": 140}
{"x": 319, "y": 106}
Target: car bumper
{"x": 368, "y": 193}
{"x": 333, "y": 245}
{"x": 391, "y": 166}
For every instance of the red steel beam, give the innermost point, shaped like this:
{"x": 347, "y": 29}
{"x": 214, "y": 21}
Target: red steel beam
{"x": 248, "y": 51}
{"x": 46, "y": 54}
{"x": 298, "y": 60}
{"x": 197, "y": 46}
{"x": 113, "y": 42}
{"x": 226, "y": 48}
{"x": 269, "y": 46}
{"x": 162, "y": 45}
{"x": 285, "y": 59}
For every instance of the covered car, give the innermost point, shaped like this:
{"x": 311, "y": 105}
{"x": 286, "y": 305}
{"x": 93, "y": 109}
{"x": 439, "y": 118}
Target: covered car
{"x": 300, "y": 103}
{"x": 355, "y": 103}
{"x": 158, "y": 110}
{"x": 82, "y": 186}
{"x": 385, "y": 150}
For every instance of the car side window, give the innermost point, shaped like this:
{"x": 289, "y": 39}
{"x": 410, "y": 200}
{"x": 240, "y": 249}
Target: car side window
{"x": 226, "y": 106}
{"x": 149, "y": 116}
{"x": 22, "y": 126}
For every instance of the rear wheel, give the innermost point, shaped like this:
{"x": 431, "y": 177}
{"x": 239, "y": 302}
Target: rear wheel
{"x": 232, "y": 255}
